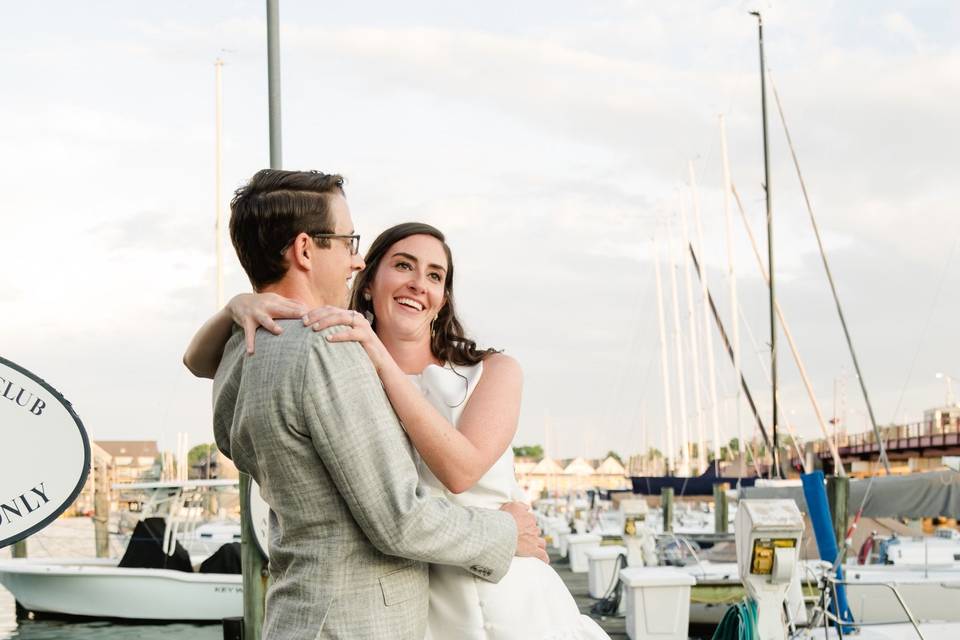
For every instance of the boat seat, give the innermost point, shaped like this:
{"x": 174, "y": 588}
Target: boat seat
{"x": 145, "y": 549}
{"x": 226, "y": 559}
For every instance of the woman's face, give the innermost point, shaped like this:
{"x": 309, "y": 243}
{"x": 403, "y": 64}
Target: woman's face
{"x": 407, "y": 291}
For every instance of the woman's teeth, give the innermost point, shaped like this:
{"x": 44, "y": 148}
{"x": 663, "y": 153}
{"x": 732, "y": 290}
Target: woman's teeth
{"x": 410, "y": 303}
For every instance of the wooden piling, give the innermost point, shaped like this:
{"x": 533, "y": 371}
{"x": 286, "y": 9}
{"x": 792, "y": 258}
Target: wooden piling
{"x": 254, "y": 567}
{"x": 838, "y": 493}
{"x": 101, "y": 509}
{"x": 20, "y": 549}
{"x": 666, "y": 503}
{"x": 720, "y": 509}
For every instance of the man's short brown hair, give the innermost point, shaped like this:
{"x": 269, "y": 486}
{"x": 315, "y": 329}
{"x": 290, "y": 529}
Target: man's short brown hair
{"x": 268, "y": 212}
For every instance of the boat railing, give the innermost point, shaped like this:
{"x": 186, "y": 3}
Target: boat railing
{"x": 828, "y": 587}
{"x": 685, "y": 542}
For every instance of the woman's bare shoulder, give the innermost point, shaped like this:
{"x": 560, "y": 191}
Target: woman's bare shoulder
{"x": 501, "y": 365}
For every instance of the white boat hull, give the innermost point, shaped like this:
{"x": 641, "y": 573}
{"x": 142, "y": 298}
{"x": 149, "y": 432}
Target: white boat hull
{"x": 98, "y": 588}
{"x": 932, "y": 595}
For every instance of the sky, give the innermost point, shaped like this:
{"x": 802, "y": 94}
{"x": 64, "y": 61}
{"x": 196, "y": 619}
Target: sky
{"x": 551, "y": 141}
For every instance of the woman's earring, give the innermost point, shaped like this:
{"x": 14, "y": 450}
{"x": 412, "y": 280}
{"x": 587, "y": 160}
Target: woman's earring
{"x": 433, "y": 332}
{"x": 367, "y": 296}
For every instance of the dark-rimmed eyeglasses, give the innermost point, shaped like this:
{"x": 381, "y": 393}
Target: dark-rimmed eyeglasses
{"x": 353, "y": 238}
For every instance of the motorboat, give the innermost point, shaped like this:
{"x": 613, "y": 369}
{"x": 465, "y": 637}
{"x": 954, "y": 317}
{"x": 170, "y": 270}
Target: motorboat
{"x": 941, "y": 549}
{"x": 174, "y": 568}
{"x": 99, "y": 588}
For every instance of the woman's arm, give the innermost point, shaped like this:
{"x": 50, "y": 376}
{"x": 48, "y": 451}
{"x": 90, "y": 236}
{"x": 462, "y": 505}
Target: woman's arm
{"x": 203, "y": 354}
{"x": 248, "y": 310}
{"x": 458, "y": 456}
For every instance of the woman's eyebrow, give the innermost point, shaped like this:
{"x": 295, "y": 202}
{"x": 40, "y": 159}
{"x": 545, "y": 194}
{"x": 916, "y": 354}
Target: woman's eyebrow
{"x": 413, "y": 258}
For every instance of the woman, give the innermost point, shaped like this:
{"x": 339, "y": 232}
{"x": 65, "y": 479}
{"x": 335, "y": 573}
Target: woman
{"x": 458, "y": 404}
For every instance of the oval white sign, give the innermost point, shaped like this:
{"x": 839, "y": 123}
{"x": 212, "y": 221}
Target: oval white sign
{"x": 46, "y": 453}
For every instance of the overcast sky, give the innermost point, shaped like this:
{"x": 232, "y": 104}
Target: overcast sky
{"x": 549, "y": 140}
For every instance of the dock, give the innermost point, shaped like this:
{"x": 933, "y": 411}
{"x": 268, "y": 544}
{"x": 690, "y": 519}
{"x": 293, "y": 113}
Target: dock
{"x": 615, "y": 627}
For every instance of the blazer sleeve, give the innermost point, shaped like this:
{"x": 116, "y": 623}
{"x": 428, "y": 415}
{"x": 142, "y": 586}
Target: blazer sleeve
{"x": 360, "y": 441}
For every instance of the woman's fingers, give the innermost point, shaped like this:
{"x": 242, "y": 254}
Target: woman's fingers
{"x": 285, "y": 308}
{"x": 247, "y": 306}
{"x": 350, "y": 335}
{"x": 330, "y": 316}
{"x": 269, "y": 324}
{"x": 250, "y": 334}
{"x": 321, "y": 313}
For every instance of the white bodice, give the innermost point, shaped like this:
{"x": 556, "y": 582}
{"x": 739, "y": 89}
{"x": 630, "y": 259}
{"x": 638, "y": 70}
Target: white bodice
{"x": 530, "y": 602}
{"x": 448, "y": 389}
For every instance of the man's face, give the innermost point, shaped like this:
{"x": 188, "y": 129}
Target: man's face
{"x": 336, "y": 265}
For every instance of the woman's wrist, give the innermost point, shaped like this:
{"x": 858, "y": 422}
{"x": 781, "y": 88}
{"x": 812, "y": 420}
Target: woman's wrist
{"x": 387, "y": 368}
{"x": 233, "y": 310}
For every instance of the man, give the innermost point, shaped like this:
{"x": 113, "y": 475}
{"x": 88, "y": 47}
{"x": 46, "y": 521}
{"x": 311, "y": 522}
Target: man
{"x": 350, "y": 531}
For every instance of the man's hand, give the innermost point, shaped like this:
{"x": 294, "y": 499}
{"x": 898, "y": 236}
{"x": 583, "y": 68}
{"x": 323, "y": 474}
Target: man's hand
{"x": 529, "y": 542}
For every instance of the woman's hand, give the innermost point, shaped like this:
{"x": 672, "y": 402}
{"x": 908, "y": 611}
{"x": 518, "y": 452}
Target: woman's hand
{"x": 252, "y": 310}
{"x": 359, "y": 331}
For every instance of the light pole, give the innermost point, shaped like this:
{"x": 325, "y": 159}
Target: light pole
{"x": 949, "y": 380}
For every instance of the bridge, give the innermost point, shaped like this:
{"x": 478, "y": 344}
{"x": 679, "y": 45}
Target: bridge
{"x": 938, "y": 435}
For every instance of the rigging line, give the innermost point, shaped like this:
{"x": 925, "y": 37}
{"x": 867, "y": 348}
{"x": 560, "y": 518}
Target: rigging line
{"x": 926, "y": 326}
{"x": 765, "y": 370}
{"x": 726, "y": 343}
{"x": 833, "y": 287}
{"x": 794, "y": 351}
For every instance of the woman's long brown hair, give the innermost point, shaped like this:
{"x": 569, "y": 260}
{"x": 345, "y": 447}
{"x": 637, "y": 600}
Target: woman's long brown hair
{"x": 447, "y": 342}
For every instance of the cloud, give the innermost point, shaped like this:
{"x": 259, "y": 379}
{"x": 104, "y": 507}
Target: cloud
{"x": 549, "y": 141}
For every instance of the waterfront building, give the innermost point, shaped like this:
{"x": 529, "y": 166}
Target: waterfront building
{"x": 566, "y": 476}
{"x": 120, "y": 462}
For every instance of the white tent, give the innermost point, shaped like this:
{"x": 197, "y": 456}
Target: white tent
{"x": 579, "y": 467}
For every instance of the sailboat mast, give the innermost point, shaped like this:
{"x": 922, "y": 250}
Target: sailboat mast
{"x": 707, "y": 334}
{"x": 775, "y": 470}
{"x": 664, "y": 364}
{"x": 678, "y": 346}
{"x": 218, "y": 66}
{"x": 831, "y": 442}
{"x": 732, "y": 276}
{"x": 694, "y": 349}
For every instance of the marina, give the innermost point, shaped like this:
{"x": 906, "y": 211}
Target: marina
{"x": 622, "y": 267}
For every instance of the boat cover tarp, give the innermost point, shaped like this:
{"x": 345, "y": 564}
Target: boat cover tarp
{"x": 701, "y": 485}
{"x": 226, "y": 559}
{"x": 918, "y": 495}
{"x": 145, "y": 549}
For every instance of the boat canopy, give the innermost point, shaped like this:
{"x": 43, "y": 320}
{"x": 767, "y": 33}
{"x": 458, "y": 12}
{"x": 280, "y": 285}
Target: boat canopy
{"x": 918, "y": 495}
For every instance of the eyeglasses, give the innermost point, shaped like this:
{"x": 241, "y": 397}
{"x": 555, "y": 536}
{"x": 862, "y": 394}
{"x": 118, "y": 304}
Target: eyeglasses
{"x": 354, "y": 240}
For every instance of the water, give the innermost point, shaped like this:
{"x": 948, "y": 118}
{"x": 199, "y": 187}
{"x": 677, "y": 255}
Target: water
{"x": 10, "y": 627}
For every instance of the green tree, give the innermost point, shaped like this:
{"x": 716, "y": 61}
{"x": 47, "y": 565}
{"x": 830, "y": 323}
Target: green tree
{"x": 200, "y": 453}
{"x": 534, "y": 451}
{"x": 614, "y": 455}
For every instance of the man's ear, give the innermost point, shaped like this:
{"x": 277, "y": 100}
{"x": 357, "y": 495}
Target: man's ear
{"x": 301, "y": 251}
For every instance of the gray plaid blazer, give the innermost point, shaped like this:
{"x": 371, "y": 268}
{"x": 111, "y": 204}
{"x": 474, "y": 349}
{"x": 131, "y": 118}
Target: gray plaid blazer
{"x": 351, "y": 530}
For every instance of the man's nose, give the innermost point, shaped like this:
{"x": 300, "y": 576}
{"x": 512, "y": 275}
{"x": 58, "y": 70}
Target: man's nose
{"x": 358, "y": 263}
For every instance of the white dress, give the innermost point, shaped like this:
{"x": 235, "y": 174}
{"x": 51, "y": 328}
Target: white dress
{"x": 530, "y": 602}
